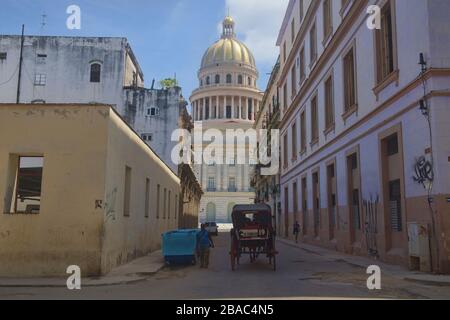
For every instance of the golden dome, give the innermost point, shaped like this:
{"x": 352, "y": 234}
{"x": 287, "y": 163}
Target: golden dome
{"x": 228, "y": 49}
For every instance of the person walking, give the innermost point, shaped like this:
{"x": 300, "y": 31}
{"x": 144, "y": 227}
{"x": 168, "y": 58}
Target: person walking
{"x": 204, "y": 243}
{"x": 296, "y": 231}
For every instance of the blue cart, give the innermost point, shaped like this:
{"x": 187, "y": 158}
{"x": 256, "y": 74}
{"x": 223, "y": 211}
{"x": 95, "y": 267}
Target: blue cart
{"x": 179, "y": 246}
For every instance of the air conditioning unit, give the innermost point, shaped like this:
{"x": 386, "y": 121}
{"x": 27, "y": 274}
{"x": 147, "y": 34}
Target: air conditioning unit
{"x": 419, "y": 246}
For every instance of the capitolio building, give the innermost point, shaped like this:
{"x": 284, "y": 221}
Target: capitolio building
{"x": 227, "y": 98}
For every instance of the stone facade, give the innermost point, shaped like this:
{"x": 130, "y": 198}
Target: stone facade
{"x": 357, "y": 153}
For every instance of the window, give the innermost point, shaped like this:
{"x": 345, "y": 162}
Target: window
{"x": 147, "y": 137}
{"x": 314, "y": 121}
{"x": 165, "y": 203}
{"x": 3, "y": 55}
{"x": 249, "y": 81}
{"x": 392, "y": 145}
{"x": 228, "y": 111}
{"x": 302, "y": 65}
{"x": 158, "y": 199}
{"x": 284, "y": 52}
{"x": 208, "y": 80}
{"x": 329, "y": 103}
{"x": 232, "y": 184}
{"x": 27, "y": 185}
{"x": 153, "y": 111}
{"x": 294, "y": 141}
{"x": 211, "y": 184}
{"x": 168, "y": 204}
{"x": 285, "y": 103}
{"x": 217, "y": 80}
{"x": 41, "y": 58}
{"x": 293, "y": 30}
{"x": 395, "y": 205}
{"x": 327, "y": 19}
{"x": 313, "y": 44}
{"x": 229, "y": 79}
{"x": 40, "y": 79}
{"x": 293, "y": 82}
{"x": 95, "y": 72}
{"x": 303, "y": 132}
{"x": 127, "y": 192}
{"x": 239, "y": 79}
{"x": 285, "y": 151}
{"x": 176, "y": 207}
{"x": 147, "y": 197}
{"x": 349, "y": 82}
{"x": 354, "y": 161}
{"x": 384, "y": 40}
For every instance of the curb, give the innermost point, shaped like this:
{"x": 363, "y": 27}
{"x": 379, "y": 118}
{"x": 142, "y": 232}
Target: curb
{"x": 428, "y": 282}
{"x": 90, "y": 282}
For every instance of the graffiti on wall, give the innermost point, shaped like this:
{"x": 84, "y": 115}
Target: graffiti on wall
{"x": 423, "y": 172}
{"x": 110, "y": 205}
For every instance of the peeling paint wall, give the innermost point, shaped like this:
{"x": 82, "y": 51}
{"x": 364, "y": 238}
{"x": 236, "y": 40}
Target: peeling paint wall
{"x": 72, "y": 140}
{"x": 81, "y": 220}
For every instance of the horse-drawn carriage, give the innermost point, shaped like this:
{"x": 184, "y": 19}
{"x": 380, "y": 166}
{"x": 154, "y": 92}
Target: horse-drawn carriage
{"x": 252, "y": 234}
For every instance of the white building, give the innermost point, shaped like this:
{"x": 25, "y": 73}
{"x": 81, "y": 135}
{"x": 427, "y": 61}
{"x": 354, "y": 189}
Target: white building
{"x": 353, "y": 131}
{"x": 227, "y": 98}
{"x": 90, "y": 70}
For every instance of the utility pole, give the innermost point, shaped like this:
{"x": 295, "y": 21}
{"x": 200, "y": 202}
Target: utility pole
{"x": 20, "y": 64}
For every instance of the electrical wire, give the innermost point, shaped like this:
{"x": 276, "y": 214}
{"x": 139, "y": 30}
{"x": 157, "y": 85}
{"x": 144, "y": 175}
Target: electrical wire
{"x": 433, "y": 212}
{"x": 12, "y": 76}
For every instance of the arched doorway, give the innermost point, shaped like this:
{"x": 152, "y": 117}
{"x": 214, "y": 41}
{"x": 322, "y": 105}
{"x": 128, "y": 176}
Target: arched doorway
{"x": 229, "y": 210}
{"x": 211, "y": 212}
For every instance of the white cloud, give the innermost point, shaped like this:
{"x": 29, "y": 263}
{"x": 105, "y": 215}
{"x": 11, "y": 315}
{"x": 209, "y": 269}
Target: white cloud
{"x": 258, "y": 23}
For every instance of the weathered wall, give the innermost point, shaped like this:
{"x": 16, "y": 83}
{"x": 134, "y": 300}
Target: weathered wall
{"x": 139, "y": 101}
{"x": 67, "y": 69}
{"x": 127, "y": 237}
{"x": 73, "y": 141}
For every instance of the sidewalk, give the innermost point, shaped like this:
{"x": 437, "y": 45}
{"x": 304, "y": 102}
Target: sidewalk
{"x": 396, "y": 271}
{"x": 134, "y": 271}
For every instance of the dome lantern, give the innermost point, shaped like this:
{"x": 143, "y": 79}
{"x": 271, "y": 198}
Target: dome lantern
{"x": 228, "y": 49}
{"x": 228, "y": 28}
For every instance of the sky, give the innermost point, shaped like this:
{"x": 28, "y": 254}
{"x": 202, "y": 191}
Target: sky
{"x": 169, "y": 37}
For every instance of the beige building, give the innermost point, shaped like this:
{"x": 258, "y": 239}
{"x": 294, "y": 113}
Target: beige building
{"x": 365, "y": 128}
{"x": 227, "y": 98}
{"x": 79, "y": 187}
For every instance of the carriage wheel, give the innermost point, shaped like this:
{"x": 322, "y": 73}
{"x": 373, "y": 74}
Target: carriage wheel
{"x": 233, "y": 260}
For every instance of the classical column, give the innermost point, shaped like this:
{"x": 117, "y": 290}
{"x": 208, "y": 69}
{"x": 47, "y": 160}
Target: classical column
{"x": 233, "y": 116}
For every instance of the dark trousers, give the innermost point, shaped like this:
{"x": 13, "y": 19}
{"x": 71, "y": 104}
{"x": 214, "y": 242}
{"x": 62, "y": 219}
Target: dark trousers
{"x": 204, "y": 257}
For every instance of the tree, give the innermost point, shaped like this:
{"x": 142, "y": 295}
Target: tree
{"x": 168, "y": 83}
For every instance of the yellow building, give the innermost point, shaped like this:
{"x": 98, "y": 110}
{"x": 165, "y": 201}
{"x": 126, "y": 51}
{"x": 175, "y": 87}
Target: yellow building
{"x": 79, "y": 187}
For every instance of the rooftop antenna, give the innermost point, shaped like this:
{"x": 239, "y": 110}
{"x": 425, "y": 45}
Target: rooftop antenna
{"x": 43, "y": 22}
